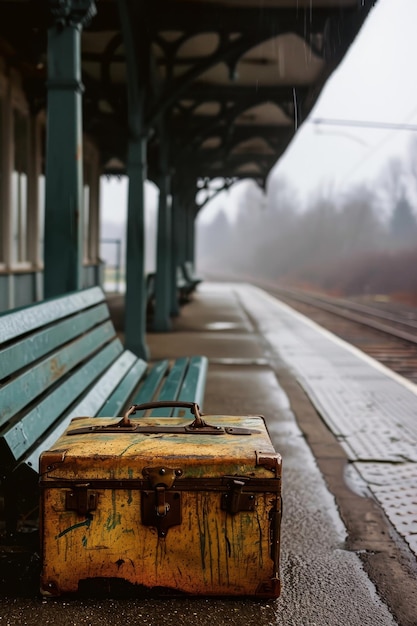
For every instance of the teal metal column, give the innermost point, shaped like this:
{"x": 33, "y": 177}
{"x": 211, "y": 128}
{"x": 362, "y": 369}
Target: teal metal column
{"x": 175, "y": 252}
{"x": 63, "y": 253}
{"x": 190, "y": 232}
{"x": 162, "y": 321}
{"x": 181, "y": 229}
{"x": 135, "y": 299}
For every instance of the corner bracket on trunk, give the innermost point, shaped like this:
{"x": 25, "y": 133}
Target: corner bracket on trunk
{"x": 270, "y": 461}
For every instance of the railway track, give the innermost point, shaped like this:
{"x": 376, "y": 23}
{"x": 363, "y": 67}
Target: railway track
{"x": 386, "y": 332}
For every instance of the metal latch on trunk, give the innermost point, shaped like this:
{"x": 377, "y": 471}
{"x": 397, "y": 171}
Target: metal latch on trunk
{"x": 237, "y": 500}
{"x": 81, "y": 499}
{"x": 161, "y": 507}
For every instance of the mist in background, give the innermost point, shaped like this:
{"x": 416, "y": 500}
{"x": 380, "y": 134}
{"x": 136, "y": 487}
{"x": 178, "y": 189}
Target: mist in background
{"x": 339, "y": 209}
{"x": 359, "y": 242}
{"x": 113, "y": 224}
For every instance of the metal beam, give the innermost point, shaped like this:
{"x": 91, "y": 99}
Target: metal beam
{"x": 206, "y": 92}
{"x": 194, "y": 18}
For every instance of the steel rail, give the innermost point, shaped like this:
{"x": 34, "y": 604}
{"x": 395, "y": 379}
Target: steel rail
{"x": 340, "y": 309}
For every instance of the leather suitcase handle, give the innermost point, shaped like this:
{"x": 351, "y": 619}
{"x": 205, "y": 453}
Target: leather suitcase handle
{"x": 193, "y": 406}
{"x": 198, "y": 426}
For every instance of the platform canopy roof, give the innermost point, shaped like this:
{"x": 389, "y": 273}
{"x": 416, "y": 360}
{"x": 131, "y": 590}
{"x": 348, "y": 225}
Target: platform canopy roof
{"x": 221, "y": 85}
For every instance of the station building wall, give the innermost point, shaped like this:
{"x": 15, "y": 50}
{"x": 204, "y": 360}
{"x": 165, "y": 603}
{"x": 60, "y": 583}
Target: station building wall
{"x": 22, "y": 197}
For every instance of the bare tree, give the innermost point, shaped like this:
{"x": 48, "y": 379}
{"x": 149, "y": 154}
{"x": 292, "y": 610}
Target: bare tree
{"x": 412, "y": 169}
{"x": 403, "y": 226}
{"x": 361, "y": 222}
{"x": 392, "y": 184}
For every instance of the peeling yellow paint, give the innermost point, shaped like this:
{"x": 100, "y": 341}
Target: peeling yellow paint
{"x": 212, "y": 552}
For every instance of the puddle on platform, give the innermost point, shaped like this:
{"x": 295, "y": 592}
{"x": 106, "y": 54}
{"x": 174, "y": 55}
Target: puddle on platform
{"x": 238, "y": 361}
{"x": 221, "y": 326}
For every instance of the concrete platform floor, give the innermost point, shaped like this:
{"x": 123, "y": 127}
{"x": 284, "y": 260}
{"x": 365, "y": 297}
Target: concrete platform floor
{"x": 333, "y": 537}
{"x": 341, "y": 563}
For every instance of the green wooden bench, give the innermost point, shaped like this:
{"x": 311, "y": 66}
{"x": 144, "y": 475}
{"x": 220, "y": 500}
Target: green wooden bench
{"x": 61, "y": 358}
{"x": 182, "y": 286}
{"x": 192, "y": 281}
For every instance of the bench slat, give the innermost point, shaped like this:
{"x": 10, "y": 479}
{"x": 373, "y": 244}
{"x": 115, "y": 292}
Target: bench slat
{"x": 19, "y": 392}
{"x": 171, "y": 386}
{"x": 192, "y": 389}
{"x": 89, "y": 405}
{"x": 153, "y": 380}
{"x": 117, "y": 400}
{"x": 31, "y": 349}
{"x": 22, "y": 435}
{"x": 30, "y": 317}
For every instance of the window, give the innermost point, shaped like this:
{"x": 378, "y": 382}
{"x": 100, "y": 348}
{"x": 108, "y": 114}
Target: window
{"x": 41, "y": 215}
{"x": 86, "y": 199}
{"x": 2, "y": 174}
{"x": 19, "y": 189}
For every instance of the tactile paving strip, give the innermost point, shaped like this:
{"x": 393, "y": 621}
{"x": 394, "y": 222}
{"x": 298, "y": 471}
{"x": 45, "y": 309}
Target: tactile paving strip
{"x": 379, "y": 444}
{"x": 373, "y": 414}
{"x": 395, "y": 488}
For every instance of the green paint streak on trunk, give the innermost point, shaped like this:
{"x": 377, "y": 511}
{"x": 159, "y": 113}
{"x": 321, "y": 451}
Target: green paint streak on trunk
{"x": 86, "y": 522}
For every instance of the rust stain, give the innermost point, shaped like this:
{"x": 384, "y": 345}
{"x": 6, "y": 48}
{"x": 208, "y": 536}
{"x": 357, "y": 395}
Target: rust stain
{"x": 57, "y": 369}
{"x": 129, "y": 491}
{"x": 260, "y": 544}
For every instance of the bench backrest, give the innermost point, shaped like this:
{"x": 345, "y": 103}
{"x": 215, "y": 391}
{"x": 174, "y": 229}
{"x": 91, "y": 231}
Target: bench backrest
{"x": 54, "y": 354}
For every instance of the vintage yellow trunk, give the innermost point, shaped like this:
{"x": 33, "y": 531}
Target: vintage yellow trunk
{"x": 165, "y": 507}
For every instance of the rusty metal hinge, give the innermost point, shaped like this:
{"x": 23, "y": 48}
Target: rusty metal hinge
{"x": 81, "y": 499}
{"x": 161, "y": 475}
{"x": 236, "y": 500}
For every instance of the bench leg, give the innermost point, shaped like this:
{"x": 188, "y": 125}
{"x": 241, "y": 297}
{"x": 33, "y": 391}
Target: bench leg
{"x": 11, "y": 510}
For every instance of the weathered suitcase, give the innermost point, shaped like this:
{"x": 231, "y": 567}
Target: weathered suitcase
{"x": 162, "y": 504}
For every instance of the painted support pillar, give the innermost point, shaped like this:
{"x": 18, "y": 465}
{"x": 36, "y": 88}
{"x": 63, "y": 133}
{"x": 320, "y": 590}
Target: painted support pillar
{"x": 175, "y": 252}
{"x": 136, "y": 296}
{"x": 93, "y": 247}
{"x": 190, "y": 232}
{"x": 135, "y": 299}
{"x": 162, "y": 318}
{"x": 181, "y": 230}
{"x": 34, "y": 170}
{"x": 63, "y": 254}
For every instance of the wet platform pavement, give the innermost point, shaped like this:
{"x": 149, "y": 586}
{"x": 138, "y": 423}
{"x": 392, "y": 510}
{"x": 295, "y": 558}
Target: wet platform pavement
{"x": 342, "y": 561}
